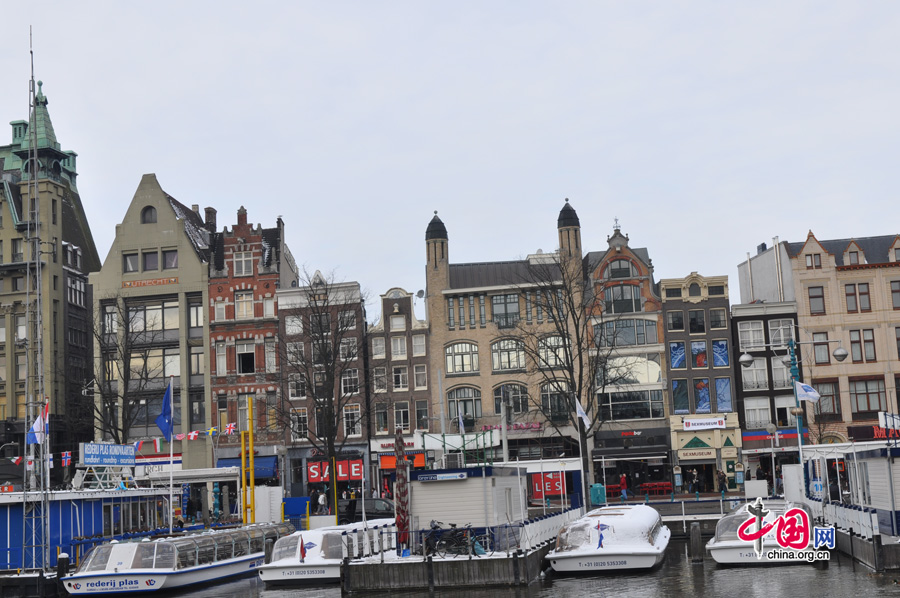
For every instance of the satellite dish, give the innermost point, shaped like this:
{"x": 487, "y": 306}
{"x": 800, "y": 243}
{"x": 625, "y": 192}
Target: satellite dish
{"x": 420, "y": 293}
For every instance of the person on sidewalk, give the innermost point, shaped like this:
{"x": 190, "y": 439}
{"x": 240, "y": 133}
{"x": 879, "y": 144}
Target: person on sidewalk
{"x": 723, "y": 481}
{"x": 623, "y": 486}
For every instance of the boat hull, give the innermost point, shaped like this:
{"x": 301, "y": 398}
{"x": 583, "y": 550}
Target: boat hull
{"x": 590, "y": 563}
{"x": 275, "y": 574}
{"x": 147, "y": 580}
{"x": 742, "y": 553}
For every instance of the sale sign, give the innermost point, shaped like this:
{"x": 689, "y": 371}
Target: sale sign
{"x": 320, "y": 471}
{"x": 548, "y": 484}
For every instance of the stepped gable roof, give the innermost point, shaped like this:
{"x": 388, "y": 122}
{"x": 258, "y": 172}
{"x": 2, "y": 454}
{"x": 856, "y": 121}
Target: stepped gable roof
{"x": 193, "y": 226}
{"x": 877, "y": 250}
{"x": 492, "y": 274}
{"x": 567, "y": 216}
{"x": 436, "y": 229}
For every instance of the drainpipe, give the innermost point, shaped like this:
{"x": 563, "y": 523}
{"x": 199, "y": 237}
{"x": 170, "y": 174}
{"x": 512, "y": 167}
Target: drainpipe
{"x": 750, "y": 273}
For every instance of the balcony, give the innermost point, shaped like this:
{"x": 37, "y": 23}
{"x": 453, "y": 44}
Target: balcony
{"x": 755, "y": 384}
{"x": 506, "y": 320}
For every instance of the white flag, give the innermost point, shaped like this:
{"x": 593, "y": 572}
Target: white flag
{"x": 805, "y": 392}
{"x": 462, "y": 428}
{"x": 584, "y": 416}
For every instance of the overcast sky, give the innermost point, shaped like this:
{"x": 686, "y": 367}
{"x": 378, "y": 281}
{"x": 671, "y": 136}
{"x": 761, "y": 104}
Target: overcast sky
{"x": 706, "y": 128}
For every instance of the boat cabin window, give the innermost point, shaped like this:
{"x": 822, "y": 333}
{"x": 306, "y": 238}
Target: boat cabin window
{"x": 285, "y": 548}
{"x": 96, "y": 560}
{"x": 165, "y": 556}
{"x": 143, "y": 556}
{"x": 256, "y": 540}
{"x": 241, "y": 544}
{"x": 224, "y": 547}
{"x": 206, "y": 550}
{"x": 186, "y": 550}
{"x": 332, "y": 546}
{"x": 573, "y": 536}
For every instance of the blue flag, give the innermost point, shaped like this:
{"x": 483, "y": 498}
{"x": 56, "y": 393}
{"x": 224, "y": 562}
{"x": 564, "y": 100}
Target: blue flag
{"x": 164, "y": 421}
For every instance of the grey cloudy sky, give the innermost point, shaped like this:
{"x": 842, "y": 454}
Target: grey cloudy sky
{"x": 705, "y": 127}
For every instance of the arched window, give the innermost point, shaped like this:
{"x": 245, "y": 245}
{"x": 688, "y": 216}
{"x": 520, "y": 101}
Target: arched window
{"x": 694, "y": 290}
{"x": 551, "y": 351}
{"x": 465, "y": 401}
{"x": 553, "y": 400}
{"x": 516, "y": 397}
{"x": 148, "y": 215}
{"x": 619, "y": 269}
{"x": 461, "y": 358}
{"x": 507, "y": 354}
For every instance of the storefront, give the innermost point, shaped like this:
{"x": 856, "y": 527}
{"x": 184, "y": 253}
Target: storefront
{"x": 642, "y": 455}
{"x": 703, "y": 445}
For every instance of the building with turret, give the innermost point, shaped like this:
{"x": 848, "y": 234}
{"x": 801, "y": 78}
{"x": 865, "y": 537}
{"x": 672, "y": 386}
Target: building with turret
{"x": 54, "y": 232}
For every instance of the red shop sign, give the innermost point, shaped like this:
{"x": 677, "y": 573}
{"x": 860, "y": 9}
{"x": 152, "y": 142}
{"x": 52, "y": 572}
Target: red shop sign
{"x": 553, "y": 484}
{"x": 319, "y": 471}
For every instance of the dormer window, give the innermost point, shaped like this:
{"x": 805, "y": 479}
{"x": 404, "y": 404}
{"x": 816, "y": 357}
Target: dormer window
{"x": 619, "y": 269}
{"x": 148, "y": 215}
{"x": 853, "y": 257}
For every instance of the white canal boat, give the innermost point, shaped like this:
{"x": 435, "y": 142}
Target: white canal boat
{"x": 313, "y": 556}
{"x": 727, "y": 549}
{"x": 611, "y": 539}
{"x": 173, "y": 562}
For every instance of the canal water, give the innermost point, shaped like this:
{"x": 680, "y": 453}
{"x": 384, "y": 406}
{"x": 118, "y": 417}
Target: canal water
{"x": 676, "y": 577}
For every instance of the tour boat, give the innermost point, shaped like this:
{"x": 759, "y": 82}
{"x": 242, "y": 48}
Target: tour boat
{"x": 312, "y": 556}
{"x": 173, "y": 562}
{"x": 610, "y": 539}
{"x": 727, "y": 549}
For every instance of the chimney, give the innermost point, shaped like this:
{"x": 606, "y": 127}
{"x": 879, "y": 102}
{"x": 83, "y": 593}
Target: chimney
{"x": 211, "y": 219}
{"x": 760, "y": 248}
{"x": 242, "y": 216}
{"x": 195, "y": 208}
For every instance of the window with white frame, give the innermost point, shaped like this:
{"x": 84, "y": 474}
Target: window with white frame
{"x": 750, "y": 335}
{"x": 461, "y": 358}
{"x": 299, "y": 424}
{"x": 270, "y": 356}
{"x": 243, "y": 263}
{"x": 243, "y": 412}
{"x": 401, "y": 416}
{"x": 243, "y": 305}
{"x": 756, "y": 412}
{"x": 381, "y": 419}
{"x": 421, "y": 379}
{"x": 418, "y": 345}
{"x": 220, "y": 311}
{"x": 398, "y": 323}
{"x": 783, "y": 416}
{"x": 347, "y": 320}
{"x": 221, "y": 359}
{"x": 780, "y": 332}
{"x": 507, "y": 354}
{"x": 378, "y": 347}
{"x": 401, "y": 378}
{"x": 296, "y": 386}
{"x": 515, "y": 395}
{"x": 398, "y": 347}
{"x": 348, "y": 349}
{"x": 269, "y": 307}
{"x": 352, "y": 420}
{"x": 754, "y": 376}
{"x": 246, "y": 357}
{"x": 551, "y": 351}
{"x": 293, "y": 324}
{"x": 379, "y": 379}
{"x": 294, "y": 352}
{"x": 350, "y": 381}
{"x": 465, "y": 401}
{"x": 781, "y": 373}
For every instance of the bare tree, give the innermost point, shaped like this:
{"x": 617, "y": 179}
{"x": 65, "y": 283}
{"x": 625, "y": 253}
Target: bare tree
{"x": 130, "y": 365}
{"x": 323, "y": 365}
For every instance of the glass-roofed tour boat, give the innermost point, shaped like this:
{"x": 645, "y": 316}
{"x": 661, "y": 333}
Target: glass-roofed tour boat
{"x": 727, "y": 548}
{"x": 173, "y": 562}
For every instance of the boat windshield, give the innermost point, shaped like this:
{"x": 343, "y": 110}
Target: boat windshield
{"x": 143, "y": 556}
{"x": 96, "y": 559}
{"x": 332, "y": 546}
{"x": 165, "y": 556}
{"x": 285, "y": 548}
{"x": 573, "y": 536}
{"x": 186, "y": 551}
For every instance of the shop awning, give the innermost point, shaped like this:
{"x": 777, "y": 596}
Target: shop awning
{"x": 265, "y": 467}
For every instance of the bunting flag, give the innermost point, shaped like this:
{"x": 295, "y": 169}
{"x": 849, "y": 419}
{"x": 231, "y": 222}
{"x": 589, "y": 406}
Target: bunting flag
{"x": 138, "y": 445}
{"x": 66, "y": 458}
{"x": 50, "y": 459}
{"x": 211, "y": 432}
{"x": 229, "y": 429}
{"x": 193, "y": 435}
{"x": 29, "y": 465}
{"x": 16, "y": 460}
{"x": 179, "y": 437}
{"x": 157, "y": 445}
{"x": 39, "y": 428}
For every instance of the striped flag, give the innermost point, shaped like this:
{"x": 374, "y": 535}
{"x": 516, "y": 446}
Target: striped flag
{"x": 50, "y": 459}
{"x": 39, "y": 428}
{"x": 157, "y": 445}
{"x": 16, "y": 460}
{"x": 138, "y": 445}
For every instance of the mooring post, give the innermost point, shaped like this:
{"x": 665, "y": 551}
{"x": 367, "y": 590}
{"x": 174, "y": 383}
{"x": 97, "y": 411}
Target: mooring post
{"x": 696, "y": 544}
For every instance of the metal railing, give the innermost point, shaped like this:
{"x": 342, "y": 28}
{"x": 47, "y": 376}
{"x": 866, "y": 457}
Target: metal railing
{"x": 863, "y": 521}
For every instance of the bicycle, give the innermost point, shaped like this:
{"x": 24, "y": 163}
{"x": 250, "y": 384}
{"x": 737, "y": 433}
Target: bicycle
{"x": 461, "y": 541}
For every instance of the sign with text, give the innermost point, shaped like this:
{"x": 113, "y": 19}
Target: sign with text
{"x": 390, "y": 461}
{"x": 707, "y": 423}
{"x": 442, "y": 477}
{"x": 320, "y": 471}
{"x": 107, "y": 455}
{"x": 548, "y": 484}
{"x": 155, "y": 282}
{"x": 708, "y": 453}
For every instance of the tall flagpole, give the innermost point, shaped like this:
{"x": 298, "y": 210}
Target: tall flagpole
{"x": 171, "y": 458}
